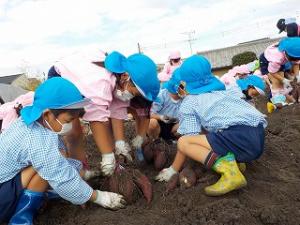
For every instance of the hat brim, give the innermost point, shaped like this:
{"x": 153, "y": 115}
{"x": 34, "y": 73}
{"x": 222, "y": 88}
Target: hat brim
{"x": 260, "y": 91}
{"x": 29, "y": 114}
{"x": 77, "y": 105}
{"x": 214, "y": 85}
{"x": 32, "y": 113}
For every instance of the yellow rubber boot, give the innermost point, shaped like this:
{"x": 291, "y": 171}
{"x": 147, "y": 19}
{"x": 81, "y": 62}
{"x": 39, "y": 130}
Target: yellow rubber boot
{"x": 242, "y": 167}
{"x": 270, "y": 107}
{"x": 231, "y": 177}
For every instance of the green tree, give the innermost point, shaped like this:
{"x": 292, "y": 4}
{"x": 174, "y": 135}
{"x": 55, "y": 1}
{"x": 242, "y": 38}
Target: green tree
{"x": 243, "y": 58}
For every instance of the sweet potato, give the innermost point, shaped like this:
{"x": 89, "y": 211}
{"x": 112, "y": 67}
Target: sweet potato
{"x": 113, "y": 183}
{"x": 160, "y": 159}
{"x": 187, "y": 178}
{"x": 126, "y": 186}
{"x": 172, "y": 183}
{"x": 148, "y": 152}
{"x": 144, "y": 184}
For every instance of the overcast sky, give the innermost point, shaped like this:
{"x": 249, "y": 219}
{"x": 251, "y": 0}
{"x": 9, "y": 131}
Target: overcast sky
{"x": 37, "y": 32}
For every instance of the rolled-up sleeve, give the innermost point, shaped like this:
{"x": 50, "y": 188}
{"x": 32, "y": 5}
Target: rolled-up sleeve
{"x": 61, "y": 175}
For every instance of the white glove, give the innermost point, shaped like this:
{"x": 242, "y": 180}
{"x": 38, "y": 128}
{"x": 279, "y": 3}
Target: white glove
{"x": 166, "y": 174}
{"x": 164, "y": 118}
{"x": 108, "y": 164}
{"x": 286, "y": 83}
{"x": 89, "y": 174}
{"x": 109, "y": 200}
{"x": 123, "y": 148}
{"x": 167, "y": 119}
{"x": 137, "y": 142}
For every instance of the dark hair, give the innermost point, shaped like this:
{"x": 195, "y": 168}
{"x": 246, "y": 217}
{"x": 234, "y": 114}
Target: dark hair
{"x": 174, "y": 60}
{"x": 74, "y": 112}
{"x": 291, "y": 58}
{"x": 245, "y": 92}
{"x": 139, "y": 102}
{"x": 1, "y": 101}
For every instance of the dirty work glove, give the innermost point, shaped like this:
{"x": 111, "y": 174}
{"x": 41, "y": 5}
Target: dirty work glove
{"x": 123, "y": 148}
{"x": 90, "y": 174}
{"x": 109, "y": 200}
{"x": 166, "y": 174}
{"x": 108, "y": 164}
{"x": 167, "y": 119}
{"x": 137, "y": 142}
{"x": 286, "y": 83}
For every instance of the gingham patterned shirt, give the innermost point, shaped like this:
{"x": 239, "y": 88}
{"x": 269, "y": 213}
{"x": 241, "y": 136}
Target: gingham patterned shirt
{"x": 216, "y": 111}
{"x": 22, "y": 146}
{"x": 165, "y": 106}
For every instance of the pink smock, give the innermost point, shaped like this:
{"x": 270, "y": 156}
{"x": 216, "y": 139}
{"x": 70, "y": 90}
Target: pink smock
{"x": 95, "y": 83}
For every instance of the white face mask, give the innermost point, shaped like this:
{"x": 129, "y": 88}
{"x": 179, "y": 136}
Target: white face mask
{"x": 65, "y": 128}
{"x": 123, "y": 95}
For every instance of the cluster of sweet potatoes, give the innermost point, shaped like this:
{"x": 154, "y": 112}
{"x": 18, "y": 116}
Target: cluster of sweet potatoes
{"x": 130, "y": 183}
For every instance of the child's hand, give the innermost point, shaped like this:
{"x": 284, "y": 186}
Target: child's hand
{"x": 167, "y": 119}
{"x": 108, "y": 164}
{"x": 166, "y": 174}
{"x": 123, "y": 148}
{"x": 286, "y": 83}
{"x": 109, "y": 200}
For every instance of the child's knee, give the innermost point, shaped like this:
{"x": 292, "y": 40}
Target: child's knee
{"x": 182, "y": 143}
{"x": 153, "y": 125}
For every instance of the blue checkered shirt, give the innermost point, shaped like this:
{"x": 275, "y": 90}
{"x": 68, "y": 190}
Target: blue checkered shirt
{"x": 165, "y": 106}
{"x": 22, "y": 146}
{"x": 216, "y": 111}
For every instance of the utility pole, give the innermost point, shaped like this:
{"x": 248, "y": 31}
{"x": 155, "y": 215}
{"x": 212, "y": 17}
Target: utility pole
{"x": 190, "y": 36}
{"x": 139, "y": 47}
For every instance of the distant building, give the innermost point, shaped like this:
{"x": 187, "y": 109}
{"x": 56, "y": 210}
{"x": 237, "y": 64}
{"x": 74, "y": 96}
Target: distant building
{"x": 220, "y": 59}
{"x": 8, "y": 79}
{"x": 8, "y": 75}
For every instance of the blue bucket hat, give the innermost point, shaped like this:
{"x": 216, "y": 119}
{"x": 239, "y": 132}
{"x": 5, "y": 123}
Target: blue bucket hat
{"x": 142, "y": 71}
{"x": 173, "y": 83}
{"x": 252, "y": 80}
{"x": 291, "y": 46}
{"x": 115, "y": 62}
{"x": 55, "y": 93}
{"x": 195, "y": 72}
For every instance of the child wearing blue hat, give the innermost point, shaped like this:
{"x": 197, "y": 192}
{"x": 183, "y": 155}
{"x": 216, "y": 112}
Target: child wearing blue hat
{"x": 164, "y": 112}
{"x": 112, "y": 82}
{"x": 250, "y": 87}
{"x": 273, "y": 63}
{"x": 31, "y": 159}
{"x": 235, "y": 129}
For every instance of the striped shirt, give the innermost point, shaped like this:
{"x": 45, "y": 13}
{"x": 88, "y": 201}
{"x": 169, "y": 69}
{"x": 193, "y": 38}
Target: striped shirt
{"x": 216, "y": 111}
{"x": 34, "y": 145}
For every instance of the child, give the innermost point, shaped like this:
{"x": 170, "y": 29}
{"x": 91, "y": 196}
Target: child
{"x": 250, "y": 87}
{"x": 290, "y": 26}
{"x": 31, "y": 159}
{"x": 164, "y": 113}
{"x": 272, "y": 63}
{"x": 111, "y": 82}
{"x": 235, "y": 129}
{"x": 173, "y": 63}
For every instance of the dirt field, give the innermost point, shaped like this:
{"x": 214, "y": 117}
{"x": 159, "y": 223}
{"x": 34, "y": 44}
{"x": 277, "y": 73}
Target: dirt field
{"x": 271, "y": 197}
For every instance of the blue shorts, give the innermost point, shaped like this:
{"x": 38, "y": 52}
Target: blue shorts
{"x": 245, "y": 142}
{"x": 10, "y": 192}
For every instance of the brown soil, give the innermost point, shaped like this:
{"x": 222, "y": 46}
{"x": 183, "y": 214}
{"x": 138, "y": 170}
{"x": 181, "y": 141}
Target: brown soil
{"x": 271, "y": 197}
